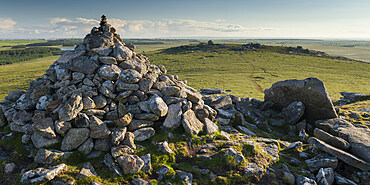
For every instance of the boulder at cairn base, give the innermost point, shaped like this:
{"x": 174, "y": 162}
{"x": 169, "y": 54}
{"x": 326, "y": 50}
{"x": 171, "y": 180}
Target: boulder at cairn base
{"x": 311, "y": 92}
{"x": 191, "y": 123}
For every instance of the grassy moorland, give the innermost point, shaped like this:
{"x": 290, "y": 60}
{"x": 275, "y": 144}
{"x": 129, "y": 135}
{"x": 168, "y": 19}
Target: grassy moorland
{"x": 245, "y": 73}
{"x": 18, "y": 76}
{"x": 248, "y": 73}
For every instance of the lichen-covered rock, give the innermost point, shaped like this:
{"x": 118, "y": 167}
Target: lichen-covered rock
{"x": 40, "y": 175}
{"x": 325, "y": 176}
{"x": 163, "y": 146}
{"x": 74, "y": 138}
{"x": 98, "y": 129}
{"x": 293, "y": 112}
{"x": 129, "y": 140}
{"x": 173, "y": 118}
{"x": 130, "y": 76}
{"x": 158, "y": 106}
{"x": 191, "y": 123}
{"x": 210, "y": 126}
{"x": 44, "y": 156}
{"x": 71, "y": 108}
{"x": 87, "y": 146}
{"x": 138, "y": 124}
{"x": 109, "y": 161}
{"x": 118, "y": 135}
{"x": 311, "y": 92}
{"x": 321, "y": 161}
{"x": 130, "y": 163}
{"x": 83, "y": 64}
{"x": 122, "y": 52}
{"x": 144, "y": 133}
{"x": 109, "y": 72}
{"x": 357, "y": 137}
{"x": 41, "y": 141}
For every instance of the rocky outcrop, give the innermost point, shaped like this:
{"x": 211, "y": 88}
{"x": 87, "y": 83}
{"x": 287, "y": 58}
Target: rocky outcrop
{"x": 358, "y": 137}
{"x": 311, "y": 92}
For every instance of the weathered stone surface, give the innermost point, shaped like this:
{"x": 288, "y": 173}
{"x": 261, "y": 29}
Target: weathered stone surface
{"x": 87, "y": 146}
{"x": 122, "y": 52}
{"x": 147, "y": 116}
{"x": 88, "y": 103}
{"x": 138, "y": 124}
{"x": 134, "y": 63}
{"x": 40, "y": 175}
{"x": 122, "y": 86}
{"x": 103, "y": 144}
{"x": 71, "y": 108}
{"x": 130, "y": 76}
{"x": 14, "y": 95}
{"x": 98, "y": 128}
{"x": 321, "y": 161}
{"x": 209, "y": 91}
{"x": 340, "y": 180}
{"x": 330, "y": 139}
{"x": 194, "y": 97}
{"x": 158, "y": 106}
{"x": 130, "y": 163}
{"x": 325, "y": 176}
{"x": 145, "y": 84}
{"x": 108, "y": 60}
{"x": 118, "y": 135}
{"x": 109, "y": 72}
{"x": 39, "y": 91}
{"x": 102, "y": 51}
{"x": 293, "y": 112}
{"x": 357, "y": 137}
{"x": 311, "y": 92}
{"x": 190, "y": 123}
{"x": 223, "y": 102}
{"x": 210, "y": 126}
{"x": 74, "y": 138}
{"x": 129, "y": 140}
{"x": 100, "y": 101}
{"x": 87, "y": 170}
{"x": 121, "y": 150}
{"x": 170, "y": 90}
{"x": 163, "y": 146}
{"x": 9, "y": 167}
{"x": 140, "y": 181}
{"x": 109, "y": 161}
{"x": 185, "y": 176}
{"x": 342, "y": 155}
{"x": 83, "y": 64}
{"x": 44, "y": 156}
{"x": 68, "y": 56}
{"x": 302, "y": 180}
{"x": 147, "y": 163}
{"x": 173, "y": 119}
{"x": 144, "y": 134}
{"x": 41, "y": 141}
{"x": 123, "y": 121}
{"x": 252, "y": 169}
{"x": 44, "y": 127}
{"x": 3, "y": 120}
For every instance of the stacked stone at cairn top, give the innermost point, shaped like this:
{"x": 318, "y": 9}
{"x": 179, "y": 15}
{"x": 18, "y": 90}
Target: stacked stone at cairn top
{"x": 101, "y": 97}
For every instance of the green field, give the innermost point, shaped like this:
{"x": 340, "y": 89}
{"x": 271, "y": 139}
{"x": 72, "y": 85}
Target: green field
{"x": 247, "y": 74}
{"x": 18, "y": 76}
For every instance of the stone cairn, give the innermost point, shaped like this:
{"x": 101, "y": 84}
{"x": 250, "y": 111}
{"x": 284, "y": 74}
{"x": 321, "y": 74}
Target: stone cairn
{"x": 102, "y": 96}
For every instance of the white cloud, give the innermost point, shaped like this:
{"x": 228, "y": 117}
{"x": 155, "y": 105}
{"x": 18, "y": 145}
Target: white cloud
{"x": 7, "y": 25}
{"x": 59, "y": 27}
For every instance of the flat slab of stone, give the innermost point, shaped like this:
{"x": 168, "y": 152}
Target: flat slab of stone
{"x": 340, "y": 154}
{"x": 357, "y": 136}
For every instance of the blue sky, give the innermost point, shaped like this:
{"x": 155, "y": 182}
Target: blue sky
{"x": 339, "y": 19}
